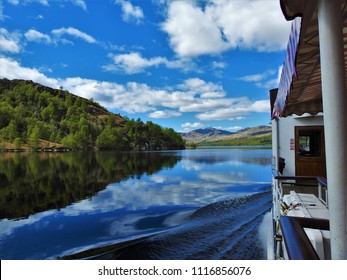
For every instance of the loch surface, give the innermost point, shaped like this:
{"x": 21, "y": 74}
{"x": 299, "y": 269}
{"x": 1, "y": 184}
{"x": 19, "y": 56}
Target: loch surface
{"x": 191, "y": 204}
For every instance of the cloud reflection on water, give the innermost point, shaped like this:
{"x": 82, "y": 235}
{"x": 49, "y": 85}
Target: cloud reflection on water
{"x": 145, "y": 204}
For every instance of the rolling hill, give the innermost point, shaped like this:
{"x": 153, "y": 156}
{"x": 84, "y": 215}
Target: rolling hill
{"x": 212, "y": 136}
{"x": 36, "y": 117}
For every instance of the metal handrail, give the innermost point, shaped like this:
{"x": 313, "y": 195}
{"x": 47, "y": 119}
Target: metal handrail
{"x": 297, "y": 243}
{"x": 322, "y": 182}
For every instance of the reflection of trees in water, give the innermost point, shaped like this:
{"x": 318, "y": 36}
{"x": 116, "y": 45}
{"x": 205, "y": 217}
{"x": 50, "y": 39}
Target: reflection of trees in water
{"x": 35, "y": 182}
{"x": 208, "y": 159}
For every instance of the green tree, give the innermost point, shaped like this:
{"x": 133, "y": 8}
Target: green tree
{"x": 17, "y": 143}
{"x": 34, "y": 137}
{"x": 107, "y": 138}
{"x": 12, "y": 130}
{"x": 71, "y": 141}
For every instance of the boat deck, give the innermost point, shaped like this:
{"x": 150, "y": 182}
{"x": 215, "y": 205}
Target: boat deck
{"x": 307, "y": 205}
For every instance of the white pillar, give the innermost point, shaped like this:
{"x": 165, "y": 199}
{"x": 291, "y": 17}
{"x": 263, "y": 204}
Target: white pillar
{"x": 334, "y": 107}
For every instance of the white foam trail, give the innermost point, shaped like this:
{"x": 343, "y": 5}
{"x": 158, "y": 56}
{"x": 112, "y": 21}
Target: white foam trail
{"x": 265, "y": 235}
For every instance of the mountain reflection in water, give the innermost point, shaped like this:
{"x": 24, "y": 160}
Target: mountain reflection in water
{"x": 58, "y": 205}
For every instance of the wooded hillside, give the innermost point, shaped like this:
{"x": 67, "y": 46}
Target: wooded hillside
{"x": 33, "y": 116}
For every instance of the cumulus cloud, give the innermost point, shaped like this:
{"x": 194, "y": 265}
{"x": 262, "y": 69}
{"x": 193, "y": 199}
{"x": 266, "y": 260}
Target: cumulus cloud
{"x": 71, "y": 31}
{"x": 130, "y": 12}
{"x": 224, "y": 25}
{"x": 36, "y": 36}
{"x": 134, "y": 62}
{"x": 133, "y": 97}
{"x": 203, "y": 88}
{"x": 192, "y": 32}
{"x": 189, "y": 126}
{"x": 9, "y": 42}
{"x": 238, "y": 108}
{"x": 164, "y": 114}
{"x": 11, "y": 69}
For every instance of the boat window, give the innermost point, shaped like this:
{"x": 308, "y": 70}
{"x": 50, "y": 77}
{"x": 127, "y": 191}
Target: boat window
{"x": 310, "y": 143}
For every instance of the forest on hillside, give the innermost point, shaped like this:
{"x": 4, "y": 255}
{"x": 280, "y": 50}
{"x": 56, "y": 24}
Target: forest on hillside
{"x": 35, "y": 117}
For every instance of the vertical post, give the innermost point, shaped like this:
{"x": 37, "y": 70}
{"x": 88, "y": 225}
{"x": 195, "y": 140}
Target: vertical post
{"x": 334, "y": 106}
{"x": 275, "y": 145}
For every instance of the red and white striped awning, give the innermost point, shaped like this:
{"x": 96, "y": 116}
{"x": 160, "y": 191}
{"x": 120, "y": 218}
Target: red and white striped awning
{"x": 300, "y": 89}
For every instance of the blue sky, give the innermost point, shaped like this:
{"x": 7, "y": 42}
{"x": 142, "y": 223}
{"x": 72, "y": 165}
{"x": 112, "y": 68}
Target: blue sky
{"x": 181, "y": 64}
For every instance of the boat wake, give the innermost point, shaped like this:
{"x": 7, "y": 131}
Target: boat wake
{"x": 228, "y": 229}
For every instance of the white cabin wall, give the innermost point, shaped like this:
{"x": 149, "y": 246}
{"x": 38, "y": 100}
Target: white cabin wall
{"x": 284, "y": 134}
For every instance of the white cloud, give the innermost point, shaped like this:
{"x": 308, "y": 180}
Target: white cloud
{"x": 11, "y": 69}
{"x": 130, "y": 12}
{"x": 80, "y": 3}
{"x": 251, "y": 24}
{"x": 237, "y": 109}
{"x": 9, "y": 42}
{"x": 134, "y": 62}
{"x": 204, "y": 89}
{"x": 263, "y": 80}
{"x": 36, "y": 36}
{"x": 219, "y": 65}
{"x": 189, "y": 125}
{"x": 203, "y": 105}
{"x": 260, "y": 106}
{"x": 164, "y": 114}
{"x": 16, "y": 2}
{"x": 74, "y": 33}
{"x": 233, "y": 128}
{"x": 273, "y": 83}
{"x": 221, "y": 25}
{"x": 257, "y": 77}
{"x": 58, "y": 35}
{"x": 133, "y": 97}
{"x": 191, "y": 32}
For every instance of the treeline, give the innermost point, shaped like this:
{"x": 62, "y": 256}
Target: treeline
{"x": 250, "y": 141}
{"x": 34, "y": 116}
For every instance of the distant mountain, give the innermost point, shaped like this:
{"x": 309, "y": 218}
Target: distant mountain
{"x": 204, "y": 135}
{"x": 212, "y": 135}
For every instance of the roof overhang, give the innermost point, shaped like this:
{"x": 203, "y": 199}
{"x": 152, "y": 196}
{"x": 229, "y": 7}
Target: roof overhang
{"x": 300, "y": 89}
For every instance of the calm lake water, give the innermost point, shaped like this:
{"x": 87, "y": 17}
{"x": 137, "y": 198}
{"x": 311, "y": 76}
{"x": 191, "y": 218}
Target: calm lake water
{"x": 191, "y": 204}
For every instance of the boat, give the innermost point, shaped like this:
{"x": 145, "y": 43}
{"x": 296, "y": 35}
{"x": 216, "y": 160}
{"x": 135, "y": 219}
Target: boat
{"x": 309, "y": 147}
